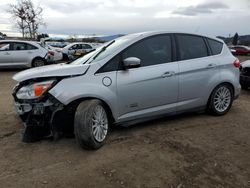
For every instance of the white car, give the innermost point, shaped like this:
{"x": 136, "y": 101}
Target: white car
{"x": 21, "y": 54}
{"x": 77, "y": 47}
{"x": 54, "y": 54}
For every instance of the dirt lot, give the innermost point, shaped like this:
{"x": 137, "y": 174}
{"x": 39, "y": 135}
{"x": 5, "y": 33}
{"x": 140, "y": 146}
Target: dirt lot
{"x": 193, "y": 150}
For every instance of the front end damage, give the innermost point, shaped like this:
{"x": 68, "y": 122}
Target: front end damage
{"x": 43, "y": 117}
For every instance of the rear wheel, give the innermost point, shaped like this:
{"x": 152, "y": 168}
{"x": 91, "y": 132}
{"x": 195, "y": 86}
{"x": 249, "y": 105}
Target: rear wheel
{"x": 221, "y": 100}
{"x": 38, "y": 62}
{"x": 91, "y": 124}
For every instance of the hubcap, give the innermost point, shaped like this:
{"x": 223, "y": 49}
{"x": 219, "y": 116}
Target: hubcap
{"x": 222, "y": 99}
{"x": 99, "y": 123}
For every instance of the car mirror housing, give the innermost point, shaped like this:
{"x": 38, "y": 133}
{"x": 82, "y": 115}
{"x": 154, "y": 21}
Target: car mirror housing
{"x": 131, "y": 62}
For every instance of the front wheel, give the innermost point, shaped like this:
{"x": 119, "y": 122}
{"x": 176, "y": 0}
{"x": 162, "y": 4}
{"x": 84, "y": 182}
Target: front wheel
{"x": 91, "y": 124}
{"x": 221, "y": 100}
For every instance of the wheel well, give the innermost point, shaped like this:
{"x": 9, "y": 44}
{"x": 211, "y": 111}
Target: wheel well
{"x": 74, "y": 104}
{"x": 36, "y": 59}
{"x": 226, "y": 83}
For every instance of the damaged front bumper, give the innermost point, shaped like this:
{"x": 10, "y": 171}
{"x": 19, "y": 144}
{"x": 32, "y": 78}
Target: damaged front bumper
{"x": 40, "y": 117}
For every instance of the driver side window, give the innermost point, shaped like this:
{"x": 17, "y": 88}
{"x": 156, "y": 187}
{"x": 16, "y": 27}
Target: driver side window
{"x": 151, "y": 51}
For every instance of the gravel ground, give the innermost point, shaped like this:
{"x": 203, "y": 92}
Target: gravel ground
{"x": 190, "y": 150}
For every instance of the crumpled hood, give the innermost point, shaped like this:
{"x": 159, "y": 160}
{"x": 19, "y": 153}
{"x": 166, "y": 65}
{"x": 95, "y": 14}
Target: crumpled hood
{"x": 246, "y": 63}
{"x": 51, "y": 71}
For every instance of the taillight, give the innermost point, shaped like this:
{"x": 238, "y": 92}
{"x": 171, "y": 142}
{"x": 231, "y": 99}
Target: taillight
{"x": 51, "y": 53}
{"x": 237, "y": 63}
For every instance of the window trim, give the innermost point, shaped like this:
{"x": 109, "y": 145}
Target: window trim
{"x": 173, "y": 52}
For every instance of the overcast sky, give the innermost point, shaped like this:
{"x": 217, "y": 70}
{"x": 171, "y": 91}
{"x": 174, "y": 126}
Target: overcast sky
{"x": 210, "y": 17}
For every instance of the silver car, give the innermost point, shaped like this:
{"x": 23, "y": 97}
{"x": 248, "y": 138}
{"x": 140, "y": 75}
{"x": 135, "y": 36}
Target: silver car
{"x": 135, "y": 77}
{"x": 21, "y": 54}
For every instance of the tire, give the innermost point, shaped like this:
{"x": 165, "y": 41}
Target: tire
{"x": 91, "y": 128}
{"x": 221, "y": 100}
{"x": 38, "y": 62}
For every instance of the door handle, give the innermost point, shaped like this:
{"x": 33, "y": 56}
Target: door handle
{"x": 29, "y": 52}
{"x": 210, "y": 66}
{"x": 168, "y": 74}
{"x": 7, "y": 53}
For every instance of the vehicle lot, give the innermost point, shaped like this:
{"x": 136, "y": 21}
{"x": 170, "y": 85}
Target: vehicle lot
{"x": 191, "y": 150}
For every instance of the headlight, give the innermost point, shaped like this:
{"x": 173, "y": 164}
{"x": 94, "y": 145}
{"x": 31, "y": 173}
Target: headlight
{"x": 34, "y": 90}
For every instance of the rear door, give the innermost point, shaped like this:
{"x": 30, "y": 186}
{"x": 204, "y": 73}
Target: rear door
{"x": 151, "y": 89}
{"x": 5, "y": 54}
{"x": 197, "y": 69}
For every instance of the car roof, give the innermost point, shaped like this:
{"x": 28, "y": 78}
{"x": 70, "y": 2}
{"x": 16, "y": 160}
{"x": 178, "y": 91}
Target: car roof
{"x": 151, "y": 33}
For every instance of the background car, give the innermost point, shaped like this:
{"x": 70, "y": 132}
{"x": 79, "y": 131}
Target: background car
{"x": 21, "y": 54}
{"x": 240, "y": 50}
{"x": 245, "y": 75}
{"x": 54, "y": 54}
{"x": 76, "y": 48}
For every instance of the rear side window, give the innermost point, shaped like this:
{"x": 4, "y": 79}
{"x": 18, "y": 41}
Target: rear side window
{"x": 30, "y": 47}
{"x": 86, "y": 46}
{"x": 19, "y": 46}
{"x": 191, "y": 47}
{"x": 215, "y": 46}
{"x": 151, "y": 51}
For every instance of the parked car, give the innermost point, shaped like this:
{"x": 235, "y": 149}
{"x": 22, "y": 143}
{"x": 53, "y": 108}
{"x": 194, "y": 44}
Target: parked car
{"x": 241, "y": 50}
{"x": 76, "y": 48}
{"x": 245, "y": 75}
{"x": 138, "y": 76}
{"x": 21, "y": 54}
{"x": 54, "y": 54}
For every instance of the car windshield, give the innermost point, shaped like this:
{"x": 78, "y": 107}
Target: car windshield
{"x": 103, "y": 51}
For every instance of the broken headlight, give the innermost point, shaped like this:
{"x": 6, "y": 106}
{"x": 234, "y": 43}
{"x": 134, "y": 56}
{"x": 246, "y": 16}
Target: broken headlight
{"x": 34, "y": 90}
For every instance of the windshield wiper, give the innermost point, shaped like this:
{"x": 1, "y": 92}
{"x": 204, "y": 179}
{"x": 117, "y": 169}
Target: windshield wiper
{"x": 103, "y": 49}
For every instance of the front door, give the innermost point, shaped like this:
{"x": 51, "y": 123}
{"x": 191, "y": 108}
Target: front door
{"x": 151, "y": 89}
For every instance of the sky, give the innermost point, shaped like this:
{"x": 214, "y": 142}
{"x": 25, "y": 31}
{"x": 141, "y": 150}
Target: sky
{"x": 107, "y": 17}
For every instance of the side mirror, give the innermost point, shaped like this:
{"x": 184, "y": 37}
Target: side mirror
{"x": 131, "y": 62}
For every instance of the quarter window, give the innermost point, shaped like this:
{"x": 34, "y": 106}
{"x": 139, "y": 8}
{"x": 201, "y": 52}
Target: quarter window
{"x": 151, "y": 51}
{"x": 215, "y": 46}
{"x": 191, "y": 47}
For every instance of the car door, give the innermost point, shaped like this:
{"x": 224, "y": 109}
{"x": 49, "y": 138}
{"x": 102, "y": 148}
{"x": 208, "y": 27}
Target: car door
{"x": 5, "y": 54}
{"x": 20, "y": 54}
{"x": 196, "y": 69}
{"x": 152, "y": 88}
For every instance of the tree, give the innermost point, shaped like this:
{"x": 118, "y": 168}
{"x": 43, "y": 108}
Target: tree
{"x": 28, "y": 17}
{"x": 235, "y": 39}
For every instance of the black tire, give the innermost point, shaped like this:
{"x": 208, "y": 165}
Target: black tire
{"x": 211, "y": 103}
{"x": 38, "y": 62}
{"x": 83, "y": 124}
